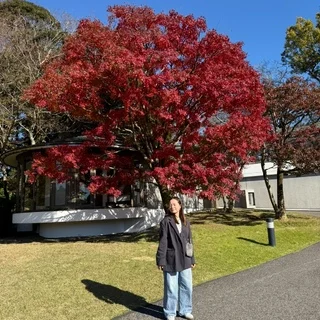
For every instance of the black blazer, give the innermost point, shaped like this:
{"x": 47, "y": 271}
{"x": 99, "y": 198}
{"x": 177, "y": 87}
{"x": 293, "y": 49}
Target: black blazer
{"x": 171, "y": 253}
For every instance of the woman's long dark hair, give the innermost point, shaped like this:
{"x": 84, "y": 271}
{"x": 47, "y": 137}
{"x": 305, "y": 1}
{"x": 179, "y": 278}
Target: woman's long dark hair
{"x": 181, "y": 214}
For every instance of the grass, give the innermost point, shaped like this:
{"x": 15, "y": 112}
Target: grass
{"x": 101, "y": 278}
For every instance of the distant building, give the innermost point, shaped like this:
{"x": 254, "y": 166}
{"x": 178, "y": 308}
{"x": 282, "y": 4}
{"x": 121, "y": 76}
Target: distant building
{"x": 301, "y": 193}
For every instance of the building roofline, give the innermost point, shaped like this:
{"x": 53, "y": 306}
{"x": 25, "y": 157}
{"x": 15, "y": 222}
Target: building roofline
{"x": 9, "y": 158}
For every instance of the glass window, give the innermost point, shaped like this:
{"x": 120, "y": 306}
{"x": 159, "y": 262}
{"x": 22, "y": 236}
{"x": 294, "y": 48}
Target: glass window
{"x": 41, "y": 192}
{"x": 252, "y": 201}
{"x": 27, "y": 189}
{"x": 60, "y": 194}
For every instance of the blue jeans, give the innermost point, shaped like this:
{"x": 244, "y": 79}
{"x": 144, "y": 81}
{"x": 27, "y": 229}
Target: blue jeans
{"x": 177, "y": 291}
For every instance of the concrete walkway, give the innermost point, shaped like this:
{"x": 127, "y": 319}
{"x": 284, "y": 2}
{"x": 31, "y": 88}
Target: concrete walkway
{"x": 287, "y": 288}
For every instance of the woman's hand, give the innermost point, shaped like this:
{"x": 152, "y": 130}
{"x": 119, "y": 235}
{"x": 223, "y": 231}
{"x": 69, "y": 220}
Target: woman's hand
{"x": 160, "y": 268}
{"x": 193, "y": 265}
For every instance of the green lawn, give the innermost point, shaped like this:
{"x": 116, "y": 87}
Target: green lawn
{"x": 100, "y": 278}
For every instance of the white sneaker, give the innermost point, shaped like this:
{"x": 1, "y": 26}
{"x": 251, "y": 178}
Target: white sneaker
{"x": 171, "y": 318}
{"x": 189, "y": 316}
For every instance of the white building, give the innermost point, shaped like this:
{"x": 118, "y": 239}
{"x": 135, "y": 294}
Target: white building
{"x": 301, "y": 193}
{"x": 56, "y": 210}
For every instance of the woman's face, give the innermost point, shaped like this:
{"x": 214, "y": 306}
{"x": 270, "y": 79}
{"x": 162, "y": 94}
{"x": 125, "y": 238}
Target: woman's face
{"x": 174, "y": 207}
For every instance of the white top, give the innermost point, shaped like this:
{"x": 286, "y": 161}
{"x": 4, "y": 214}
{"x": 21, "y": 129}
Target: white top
{"x": 179, "y": 225}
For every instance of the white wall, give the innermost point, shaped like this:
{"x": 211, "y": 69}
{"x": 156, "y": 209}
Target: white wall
{"x": 90, "y": 222}
{"x": 301, "y": 193}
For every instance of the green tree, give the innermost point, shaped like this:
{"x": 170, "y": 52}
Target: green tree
{"x": 29, "y": 37}
{"x": 302, "y": 47}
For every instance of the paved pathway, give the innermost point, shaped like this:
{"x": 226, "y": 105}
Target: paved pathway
{"x": 287, "y": 288}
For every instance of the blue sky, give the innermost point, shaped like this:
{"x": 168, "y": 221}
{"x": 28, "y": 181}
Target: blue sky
{"x": 261, "y": 25}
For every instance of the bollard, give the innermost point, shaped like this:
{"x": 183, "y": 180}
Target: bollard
{"x": 271, "y": 236}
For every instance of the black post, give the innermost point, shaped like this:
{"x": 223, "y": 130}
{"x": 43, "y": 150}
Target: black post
{"x": 271, "y": 235}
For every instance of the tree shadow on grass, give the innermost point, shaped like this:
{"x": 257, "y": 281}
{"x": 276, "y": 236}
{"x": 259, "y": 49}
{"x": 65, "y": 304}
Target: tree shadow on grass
{"x": 236, "y": 218}
{"x": 150, "y": 235}
{"x": 23, "y": 237}
{"x": 113, "y": 295}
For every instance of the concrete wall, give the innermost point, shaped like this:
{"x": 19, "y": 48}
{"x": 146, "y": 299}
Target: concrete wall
{"x": 90, "y": 222}
{"x": 301, "y": 193}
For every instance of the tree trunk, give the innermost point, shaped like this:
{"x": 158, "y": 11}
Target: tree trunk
{"x": 166, "y": 195}
{"x": 281, "y": 211}
{"x": 5, "y": 183}
{"x": 230, "y": 205}
{"x": 20, "y": 191}
{"x": 224, "y": 204}
{"x": 266, "y": 180}
{"x": 5, "y": 189}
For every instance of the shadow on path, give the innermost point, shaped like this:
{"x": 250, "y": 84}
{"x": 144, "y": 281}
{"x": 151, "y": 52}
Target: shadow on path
{"x": 113, "y": 295}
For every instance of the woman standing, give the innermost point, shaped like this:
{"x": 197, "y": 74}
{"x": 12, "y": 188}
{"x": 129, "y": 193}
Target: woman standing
{"x": 172, "y": 258}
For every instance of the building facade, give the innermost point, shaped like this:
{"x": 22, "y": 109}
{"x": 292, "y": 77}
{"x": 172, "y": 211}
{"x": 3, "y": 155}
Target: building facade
{"x": 302, "y": 193}
{"x": 68, "y": 209}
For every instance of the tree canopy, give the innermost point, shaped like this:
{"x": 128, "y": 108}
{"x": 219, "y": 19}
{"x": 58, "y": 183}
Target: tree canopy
{"x": 302, "y": 47}
{"x": 174, "y": 103}
{"x": 29, "y": 36}
{"x": 294, "y": 110}
{"x": 293, "y": 107}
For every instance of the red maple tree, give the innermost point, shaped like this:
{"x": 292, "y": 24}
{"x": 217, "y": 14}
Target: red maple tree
{"x": 172, "y": 102}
